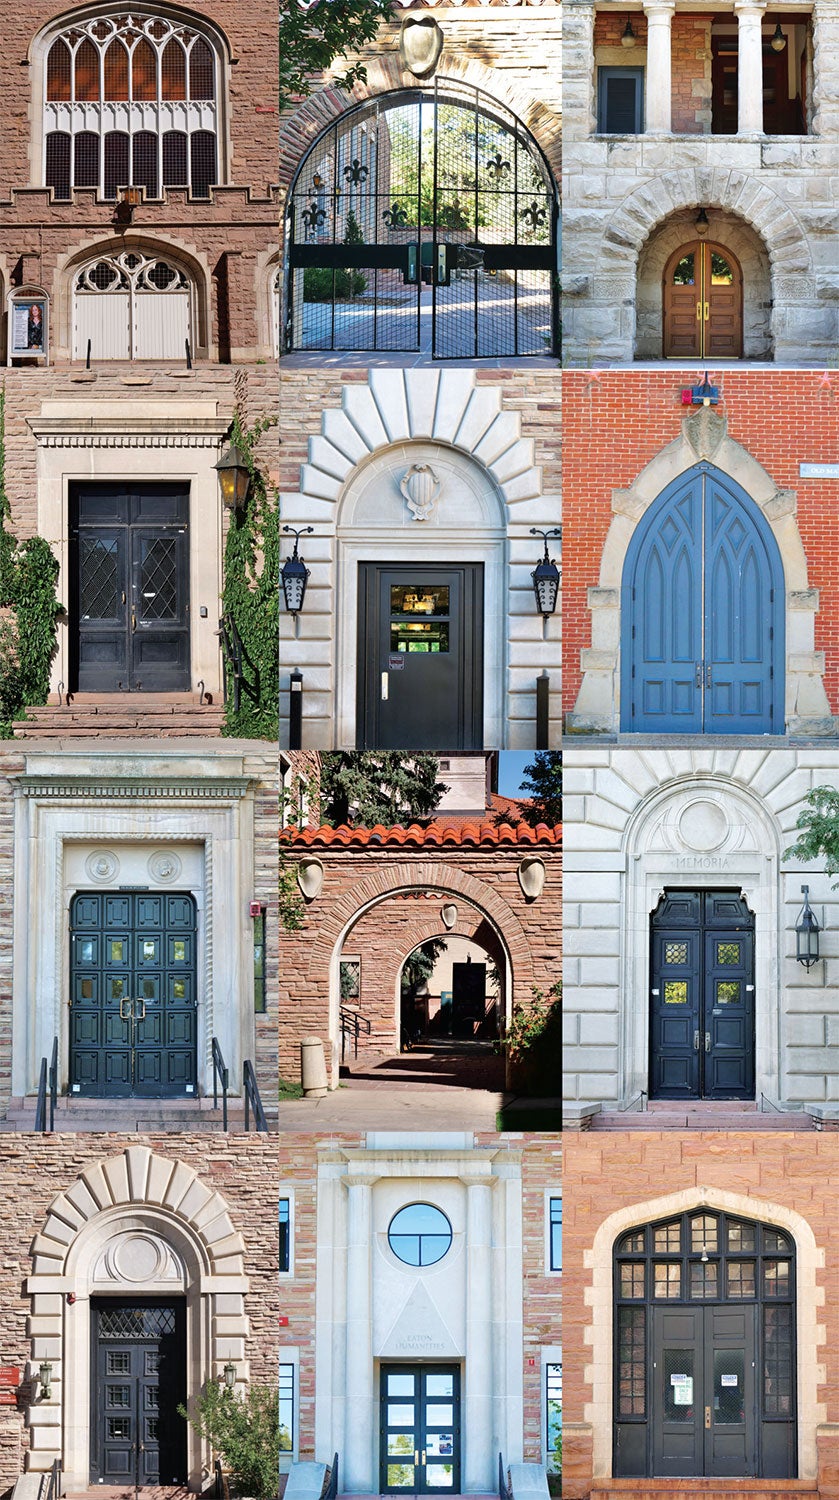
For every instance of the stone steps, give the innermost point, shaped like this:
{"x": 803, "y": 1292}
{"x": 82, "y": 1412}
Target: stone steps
{"x": 705, "y": 1489}
{"x": 103, "y": 1116}
{"x": 142, "y": 715}
{"x": 700, "y": 1120}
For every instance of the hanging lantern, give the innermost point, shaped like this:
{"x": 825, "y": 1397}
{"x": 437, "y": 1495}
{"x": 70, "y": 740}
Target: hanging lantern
{"x": 546, "y": 574}
{"x": 628, "y": 39}
{"x": 807, "y": 933}
{"x": 295, "y": 574}
{"x": 778, "y": 41}
{"x": 234, "y": 478}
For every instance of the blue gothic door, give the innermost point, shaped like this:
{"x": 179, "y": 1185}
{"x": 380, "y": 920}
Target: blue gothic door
{"x": 703, "y": 614}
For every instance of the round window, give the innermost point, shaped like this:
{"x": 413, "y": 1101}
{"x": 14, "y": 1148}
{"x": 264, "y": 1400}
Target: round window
{"x": 419, "y": 1234}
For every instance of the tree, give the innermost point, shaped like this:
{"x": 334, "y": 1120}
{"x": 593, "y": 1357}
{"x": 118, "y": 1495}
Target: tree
{"x": 818, "y": 822}
{"x": 365, "y": 787}
{"x": 420, "y": 965}
{"x": 245, "y": 1431}
{"x": 312, "y": 36}
{"x": 542, "y": 782}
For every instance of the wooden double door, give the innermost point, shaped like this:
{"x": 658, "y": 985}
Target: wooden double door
{"x": 703, "y": 303}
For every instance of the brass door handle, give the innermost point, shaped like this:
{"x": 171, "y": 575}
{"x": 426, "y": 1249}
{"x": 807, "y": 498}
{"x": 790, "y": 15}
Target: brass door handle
{"x": 699, "y": 312}
{"x": 708, "y": 1416}
{"x": 133, "y": 621}
{"x": 707, "y": 311}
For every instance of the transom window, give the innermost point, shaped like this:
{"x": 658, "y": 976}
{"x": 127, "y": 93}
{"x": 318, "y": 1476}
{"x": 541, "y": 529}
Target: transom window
{"x": 130, "y": 100}
{"x": 419, "y": 1234}
{"x": 131, "y": 306}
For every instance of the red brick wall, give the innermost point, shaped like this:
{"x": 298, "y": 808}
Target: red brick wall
{"x": 690, "y": 53}
{"x": 614, "y": 424}
{"x": 602, "y": 1175}
{"x": 356, "y": 875}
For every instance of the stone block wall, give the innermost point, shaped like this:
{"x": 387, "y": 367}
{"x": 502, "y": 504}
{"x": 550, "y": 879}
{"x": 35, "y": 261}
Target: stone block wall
{"x": 541, "y": 1177}
{"x": 781, "y": 418}
{"x": 751, "y": 1174}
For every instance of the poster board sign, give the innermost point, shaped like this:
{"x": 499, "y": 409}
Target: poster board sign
{"x": 28, "y": 326}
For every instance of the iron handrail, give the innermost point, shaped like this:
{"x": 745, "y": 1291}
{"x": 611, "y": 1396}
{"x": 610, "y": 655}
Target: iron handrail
{"x": 54, "y": 1483}
{"x": 352, "y": 1024}
{"x": 221, "y": 1075}
{"x": 252, "y": 1100}
{"x": 332, "y": 1488}
{"x": 504, "y": 1490}
{"x": 53, "y": 1081}
{"x": 222, "y": 1484}
{"x": 41, "y": 1105}
{"x": 236, "y": 658}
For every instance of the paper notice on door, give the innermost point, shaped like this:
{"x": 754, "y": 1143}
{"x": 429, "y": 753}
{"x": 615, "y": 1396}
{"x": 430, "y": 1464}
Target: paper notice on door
{"x": 682, "y": 1390}
{"x": 728, "y": 1380}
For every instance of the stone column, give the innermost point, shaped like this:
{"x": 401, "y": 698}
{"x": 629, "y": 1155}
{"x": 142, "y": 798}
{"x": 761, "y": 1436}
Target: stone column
{"x": 749, "y": 68}
{"x": 478, "y": 1435}
{"x": 658, "y": 83}
{"x": 357, "y": 1458}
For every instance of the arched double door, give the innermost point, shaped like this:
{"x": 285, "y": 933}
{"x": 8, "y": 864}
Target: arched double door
{"x": 702, "y": 614}
{"x": 703, "y": 303}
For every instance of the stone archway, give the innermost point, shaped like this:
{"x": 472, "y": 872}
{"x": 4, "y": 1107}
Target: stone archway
{"x": 139, "y": 1224}
{"x": 187, "y": 257}
{"x": 704, "y": 438}
{"x": 598, "y": 1297}
{"x": 735, "y": 234}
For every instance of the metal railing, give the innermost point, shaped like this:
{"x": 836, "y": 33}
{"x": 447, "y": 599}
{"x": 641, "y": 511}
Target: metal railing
{"x": 47, "y": 1091}
{"x": 53, "y": 1489}
{"x": 221, "y": 1075}
{"x": 504, "y": 1490}
{"x": 221, "y": 1488}
{"x": 332, "y": 1488}
{"x": 236, "y": 659}
{"x": 640, "y": 1099}
{"x": 252, "y": 1100}
{"x": 352, "y": 1025}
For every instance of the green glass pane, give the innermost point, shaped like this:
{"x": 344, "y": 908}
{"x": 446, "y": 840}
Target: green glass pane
{"x": 728, "y": 992}
{"x": 148, "y": 989}
{"x": 179, "y": 951}
{"x": 117, "y": 989}
{"x": 728, "y": 953}
{"x": 117, "y": 950}
{"x": 400, "y": 1476}
{"x": 179, "y": 989}
{"x": 418, "y": 636}
{"x": 676, "y": 992}
{"x": 684, "y": 274}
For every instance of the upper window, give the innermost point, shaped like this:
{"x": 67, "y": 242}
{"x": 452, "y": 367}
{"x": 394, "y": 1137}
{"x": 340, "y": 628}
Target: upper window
{"x": 130, "y": 100}
{"x": 285, "y": 1235}
{"x": 420, "y": 1234}
{"x": 620, "y": 101}
{"x": 555, "y": 1234}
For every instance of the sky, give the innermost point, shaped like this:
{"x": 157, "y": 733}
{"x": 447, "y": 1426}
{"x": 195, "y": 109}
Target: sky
{"x": 511, "y": 764}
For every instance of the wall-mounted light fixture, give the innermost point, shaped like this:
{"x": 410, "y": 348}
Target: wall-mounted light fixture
{"x": 45, "y": 1378}
{"x": 702, "y": 223}
{"x": 807, "y": 932}
{"x": 229, "y": 1373}
{"x": 546, "y": 574}
{"x": 629, "y": 38}
{"x": 234, "y": 478}
{"x": 295, "y": 574}
{"x": 705, "y": 394}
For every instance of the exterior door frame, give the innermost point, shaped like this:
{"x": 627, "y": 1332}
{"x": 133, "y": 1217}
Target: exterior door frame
{"x": 491, "y": 550}
{"x": 705, "y": 247}
{"x": 420, "y": 1371}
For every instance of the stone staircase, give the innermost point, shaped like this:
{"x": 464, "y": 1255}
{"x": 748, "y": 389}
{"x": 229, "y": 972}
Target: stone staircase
{"x": 123, "y": 716}
{"x": 702, "y": 1114}
{"x": 705, "y": 1489}
{"x": 147, "y": 1116}
{"x": 118, "y": 1492}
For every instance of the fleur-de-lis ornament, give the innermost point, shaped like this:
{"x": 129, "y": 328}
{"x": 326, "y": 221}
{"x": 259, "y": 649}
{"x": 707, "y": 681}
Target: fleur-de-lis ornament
{"x": 314, "y": 217}
{"x": 497, "y": 167}
{"x": 395, "y": 216}
{"x": 534, "y": 215}
{"x": 356, "y": 172}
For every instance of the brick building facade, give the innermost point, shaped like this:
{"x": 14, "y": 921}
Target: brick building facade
{"x": 703, "y": 1194}
{"x": 94, "y": 1225}
{"x": 341, "y": 1193}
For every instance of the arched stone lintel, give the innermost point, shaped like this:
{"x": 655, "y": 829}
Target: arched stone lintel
{"x": 716, "y": 787}
{"x": 598, "y": 1297}
{"x": 704, "y": 438}
{"x": 185, "y": 253}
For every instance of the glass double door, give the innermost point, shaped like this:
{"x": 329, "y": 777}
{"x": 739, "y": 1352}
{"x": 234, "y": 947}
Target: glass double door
{"x": 138, "y": 1382}
{"x": 420, "y": 1429}
{"x": 704, "y": 1411}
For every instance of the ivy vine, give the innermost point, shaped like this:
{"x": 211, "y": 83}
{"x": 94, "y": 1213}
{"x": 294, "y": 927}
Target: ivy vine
{"x": 251, "y": 592}
{"x": 29, "y": 611}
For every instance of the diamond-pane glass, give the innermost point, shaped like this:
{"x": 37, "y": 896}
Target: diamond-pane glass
{"x": 100, "y": 597}
{"x": 140, "y": 1322}
{"x": 159, "y": 580}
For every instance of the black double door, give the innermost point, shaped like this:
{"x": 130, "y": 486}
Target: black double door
{"x": 130, "y": 587}
{"x": 704, "y": 1400}
{"x": 138, "y": 1369}
{"x": 420, "y": 1430}
{"x": 133, "y": 1016}
{"x": 420, "y": 657}
{"x": 702, "y": 1002}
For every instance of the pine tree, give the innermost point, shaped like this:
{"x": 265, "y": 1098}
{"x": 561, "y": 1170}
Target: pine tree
{"x": 542, "y": 783}
{"x": 365, "y": 787}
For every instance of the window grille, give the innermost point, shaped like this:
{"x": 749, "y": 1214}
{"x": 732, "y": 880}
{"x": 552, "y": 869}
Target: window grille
{"x": 131, "y": 306}
{"x": 144, "y": 89}
{"x": 286, "y": 1408}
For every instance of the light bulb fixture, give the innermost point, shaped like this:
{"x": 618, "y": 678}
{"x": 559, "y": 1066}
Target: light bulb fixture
{"x": 294, "y": 573}
{"x": 807, "y": 932}
{"x": 704, "y": 1256}
{"x": 629, "y": 38}
{"x": 230, "y": 1375}
{"x": 702, "y": 223}
{"x": 778, "y": 41}
{"x": 546, "y": 574}
{"x": 45, "y": 1378}
{"x": 234, "y": 478}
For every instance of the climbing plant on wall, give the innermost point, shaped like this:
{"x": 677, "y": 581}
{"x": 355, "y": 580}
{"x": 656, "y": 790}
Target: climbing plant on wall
{"x": 251, "y": 594}
{"x": 29, "y": 611}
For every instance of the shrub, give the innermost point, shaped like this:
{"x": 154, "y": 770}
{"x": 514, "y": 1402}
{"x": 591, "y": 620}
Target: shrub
{"x": 245, "y": 1432}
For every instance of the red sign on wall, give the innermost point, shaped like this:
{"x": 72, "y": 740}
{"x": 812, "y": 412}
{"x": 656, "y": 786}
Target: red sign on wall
{"x": 9, "y": 1381}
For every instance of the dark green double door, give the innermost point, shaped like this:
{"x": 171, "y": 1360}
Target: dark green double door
{"x": 704, "y": 1406}
{"x": 420, "y": 1430}
{"x": 138, "y": 1364}
{"x": 133, "y": 1018}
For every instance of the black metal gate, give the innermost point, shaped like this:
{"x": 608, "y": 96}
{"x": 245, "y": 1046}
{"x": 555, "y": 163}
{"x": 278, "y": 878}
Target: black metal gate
{"x": 424, "y": 220}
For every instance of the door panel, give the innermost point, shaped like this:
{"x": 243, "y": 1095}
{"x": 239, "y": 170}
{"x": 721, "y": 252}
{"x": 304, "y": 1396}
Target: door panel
{"x": 133, "y": 1017}
{"x": 677, "y": 1431}
{"x": 704, "y": 1416}
{"x": 703, "y": 615}
{"x": 130, "y": 588}
{"x": 420, "y": 1429}
{"x": 420, "y": 657}
{"x": 702, "y": 1001}
{"x": 703, "y": 303}
{"x": 138, "y": 1369}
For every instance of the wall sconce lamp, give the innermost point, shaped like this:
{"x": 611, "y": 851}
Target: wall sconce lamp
{"x": 128, "y": 198}
{"x": 778, "y": 41}
{"x": 229, "y": 1373}
{"x": 45, "y": 1378}
{"x": 702, "y": 223}
{"x": 295, "y": 574}
{"x": 546, "y": 574}
{"x": 628, "y": 39}
{"x": 807, "y": 933}
{"x": 234, "y": 478}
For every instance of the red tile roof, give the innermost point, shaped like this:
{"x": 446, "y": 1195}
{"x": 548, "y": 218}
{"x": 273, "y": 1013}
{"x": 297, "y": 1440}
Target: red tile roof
{"x": 440, "y": 833}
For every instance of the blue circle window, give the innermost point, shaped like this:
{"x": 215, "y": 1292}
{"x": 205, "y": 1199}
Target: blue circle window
{"x": 420, "y": 1234}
